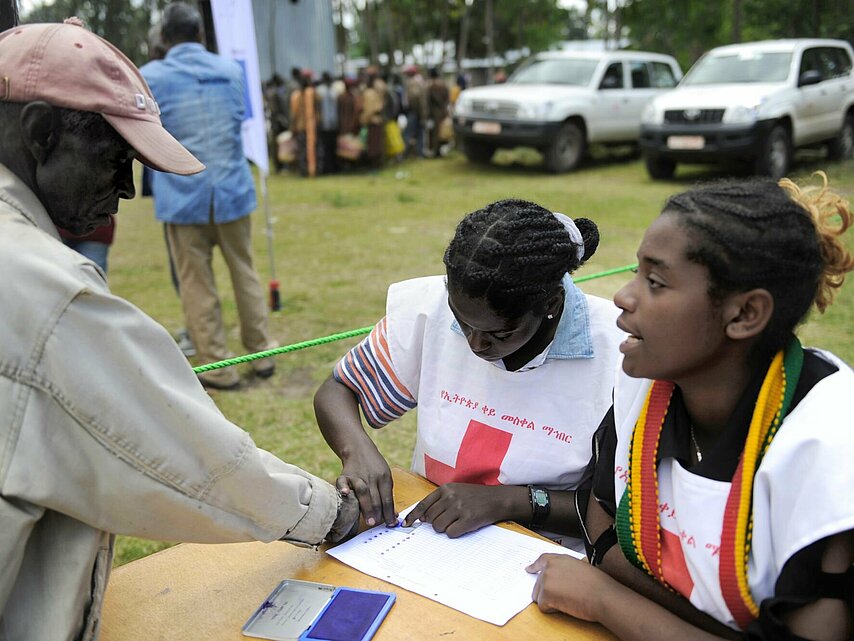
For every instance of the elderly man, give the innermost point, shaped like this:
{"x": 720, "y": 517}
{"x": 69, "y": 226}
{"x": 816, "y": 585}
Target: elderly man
{"x": 104, "y": 428}
{"x": 201, "y": 96}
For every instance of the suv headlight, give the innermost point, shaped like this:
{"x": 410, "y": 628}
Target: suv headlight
{"x": 463, "y": 106}
{"x": 742, "y": 114}
{"x": 536, "y": 111}
{"x": 652, "y": 115}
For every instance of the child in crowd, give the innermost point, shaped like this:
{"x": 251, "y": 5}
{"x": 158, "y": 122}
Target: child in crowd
{"x": 723, "y": 480}
{"x": 511, "y": 367}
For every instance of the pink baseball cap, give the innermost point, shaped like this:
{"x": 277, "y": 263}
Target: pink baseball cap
{"x": 68, "y": 66}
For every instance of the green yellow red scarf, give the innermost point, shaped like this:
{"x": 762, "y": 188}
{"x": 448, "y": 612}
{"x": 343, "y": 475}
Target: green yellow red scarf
{"x": 638, "y": 526}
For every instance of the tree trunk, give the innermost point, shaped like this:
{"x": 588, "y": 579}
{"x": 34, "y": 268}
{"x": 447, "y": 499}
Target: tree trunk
{"x": 340, "y": 32}
{"x": 443, "y": 37}
{"x": 372, "y": 31}
{"x": 816, "y": 17}
{"x": 464, "y": 38}
{"x": 736, "y": 20}
{"x": 392, "y": 34}
{"x": 490, "y": 40}
{"x": 588, "y": 17}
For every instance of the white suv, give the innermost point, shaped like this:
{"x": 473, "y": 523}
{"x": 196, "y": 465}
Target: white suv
{"x": 754, "y": 102}
{"x": 559, "y": 102}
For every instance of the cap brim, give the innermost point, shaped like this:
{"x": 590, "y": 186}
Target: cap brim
{"x": 155, "y": 146}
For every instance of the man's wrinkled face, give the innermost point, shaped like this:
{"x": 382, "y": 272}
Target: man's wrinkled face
{"x": 83, "y": 178}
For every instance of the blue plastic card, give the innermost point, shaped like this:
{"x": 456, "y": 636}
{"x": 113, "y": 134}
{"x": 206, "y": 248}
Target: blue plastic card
{"x": 351, "y": 615}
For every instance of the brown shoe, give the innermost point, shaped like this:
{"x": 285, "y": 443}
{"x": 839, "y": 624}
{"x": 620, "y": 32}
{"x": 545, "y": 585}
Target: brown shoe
{"x": 264, "y": 367}
{"x": 223, "y": 385}
{"x": 267, "y": 372}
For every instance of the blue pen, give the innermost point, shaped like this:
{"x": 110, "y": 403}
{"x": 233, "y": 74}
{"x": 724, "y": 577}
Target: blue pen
{"x": 400, "y": 524}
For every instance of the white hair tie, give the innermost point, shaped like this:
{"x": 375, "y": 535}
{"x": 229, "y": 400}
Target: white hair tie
{"x": 574, "y": 233}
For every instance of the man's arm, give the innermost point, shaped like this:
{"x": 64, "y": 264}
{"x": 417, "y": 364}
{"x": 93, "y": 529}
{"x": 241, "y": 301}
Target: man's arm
{"x": 132, "y": 444}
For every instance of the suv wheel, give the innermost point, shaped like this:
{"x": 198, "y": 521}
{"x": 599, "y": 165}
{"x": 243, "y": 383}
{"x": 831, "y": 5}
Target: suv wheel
{"x": 567, "y": 150}
{"x": 776, "y": 154}
{"x": 660, "y": 168}
{"x": 842, "y": 147}
{"x": 478, "y": 152}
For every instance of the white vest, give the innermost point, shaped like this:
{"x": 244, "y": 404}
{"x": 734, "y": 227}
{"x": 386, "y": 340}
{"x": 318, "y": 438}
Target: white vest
{"x": 480, "y": 423}
{"x": 802, "y": 492}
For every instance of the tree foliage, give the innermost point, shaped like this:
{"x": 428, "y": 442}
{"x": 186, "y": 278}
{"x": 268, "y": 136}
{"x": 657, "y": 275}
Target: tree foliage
{"x": 125, "y": 23}
{"x": 687, "y": 28}
{"x": 455, "y": 27}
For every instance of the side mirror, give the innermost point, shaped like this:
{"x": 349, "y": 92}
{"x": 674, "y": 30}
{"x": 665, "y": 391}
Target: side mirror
{"x": 610, "y": 82}
{"x": 811, "y": 77}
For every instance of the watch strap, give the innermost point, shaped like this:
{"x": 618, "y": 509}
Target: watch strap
{"x": 605, "y": 542}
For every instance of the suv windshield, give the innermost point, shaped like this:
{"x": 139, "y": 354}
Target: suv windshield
{"x": 554, "y": 71}
{"x": 746, "y": 66}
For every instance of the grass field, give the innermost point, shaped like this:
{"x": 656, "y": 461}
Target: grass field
{"x": 340, "y": 241}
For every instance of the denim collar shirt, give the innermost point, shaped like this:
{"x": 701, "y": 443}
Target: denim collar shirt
{"x": 203, "y": 104}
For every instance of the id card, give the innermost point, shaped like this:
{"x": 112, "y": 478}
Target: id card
{"x": 306, "y": 611}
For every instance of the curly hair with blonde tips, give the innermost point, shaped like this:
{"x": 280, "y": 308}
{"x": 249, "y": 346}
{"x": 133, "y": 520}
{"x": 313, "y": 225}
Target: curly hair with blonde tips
{"x": 831, "y": 215}
{"x": 760, "y": 234}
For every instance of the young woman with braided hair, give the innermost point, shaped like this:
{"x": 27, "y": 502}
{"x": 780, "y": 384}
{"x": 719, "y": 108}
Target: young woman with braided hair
{"x": 510, "y": 365}
{"x": 722, "y": 490}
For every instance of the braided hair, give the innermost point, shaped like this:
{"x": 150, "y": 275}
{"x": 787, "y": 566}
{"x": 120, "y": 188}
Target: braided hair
{"x": 514, "y": 254}
{"x": 775, "y": 236}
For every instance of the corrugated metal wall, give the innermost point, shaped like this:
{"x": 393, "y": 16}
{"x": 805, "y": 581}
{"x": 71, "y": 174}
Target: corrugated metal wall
{"x": 294, "y": 34}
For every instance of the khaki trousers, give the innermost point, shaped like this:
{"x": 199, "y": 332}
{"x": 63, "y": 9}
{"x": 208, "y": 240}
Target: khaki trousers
{"x": 192, "y": 250}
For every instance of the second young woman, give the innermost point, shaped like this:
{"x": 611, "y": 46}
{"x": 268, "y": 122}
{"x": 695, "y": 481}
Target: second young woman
{"x": 722, "y": 487}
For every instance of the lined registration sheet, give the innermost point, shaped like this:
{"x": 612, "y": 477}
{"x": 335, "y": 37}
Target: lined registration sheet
{"x": 481, "y": 573}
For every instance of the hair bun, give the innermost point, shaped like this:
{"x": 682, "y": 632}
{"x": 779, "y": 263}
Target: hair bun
{"x": 590, "y": 234}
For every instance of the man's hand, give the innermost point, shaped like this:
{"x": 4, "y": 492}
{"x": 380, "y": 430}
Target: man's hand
{"x": 458, "y": 508}
{"x": 347, "y": 522}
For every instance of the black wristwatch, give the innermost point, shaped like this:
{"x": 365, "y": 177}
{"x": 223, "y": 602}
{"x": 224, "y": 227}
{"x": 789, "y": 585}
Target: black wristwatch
{"x": 605, "y": 542}
{"x": 540, "y": 504}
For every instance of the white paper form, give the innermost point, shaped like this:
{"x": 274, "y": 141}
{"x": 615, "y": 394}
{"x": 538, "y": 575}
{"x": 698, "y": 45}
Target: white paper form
{"x": 481, "y": 573}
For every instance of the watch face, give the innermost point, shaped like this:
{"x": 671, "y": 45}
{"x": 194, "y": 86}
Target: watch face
{"x": 541, "y": 498}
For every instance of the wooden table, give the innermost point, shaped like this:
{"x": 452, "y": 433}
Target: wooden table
{"x": 194, "y": 592}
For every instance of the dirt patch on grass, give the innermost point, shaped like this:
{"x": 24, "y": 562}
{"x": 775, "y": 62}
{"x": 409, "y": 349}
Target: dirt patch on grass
{"x": 293, "y": 383}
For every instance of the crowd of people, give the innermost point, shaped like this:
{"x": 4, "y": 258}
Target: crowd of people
{"x": 682, "y": 436}
{"x": 323, "y": 125}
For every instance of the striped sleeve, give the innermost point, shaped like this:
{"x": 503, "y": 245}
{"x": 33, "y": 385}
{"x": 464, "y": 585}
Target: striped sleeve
{"x": 368, "y": 371}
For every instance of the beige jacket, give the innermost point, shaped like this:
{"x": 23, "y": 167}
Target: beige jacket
{"x": 373, "y": 101}
{"x": 104, "y": 429}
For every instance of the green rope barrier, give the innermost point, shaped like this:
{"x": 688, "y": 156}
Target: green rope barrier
{"x": 282, "y": 350}
{"x": 610, "y": 272}
{"x": 353, "y": 332}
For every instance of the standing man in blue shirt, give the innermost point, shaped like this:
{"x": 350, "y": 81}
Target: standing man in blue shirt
{"x": 201, "y": 96}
